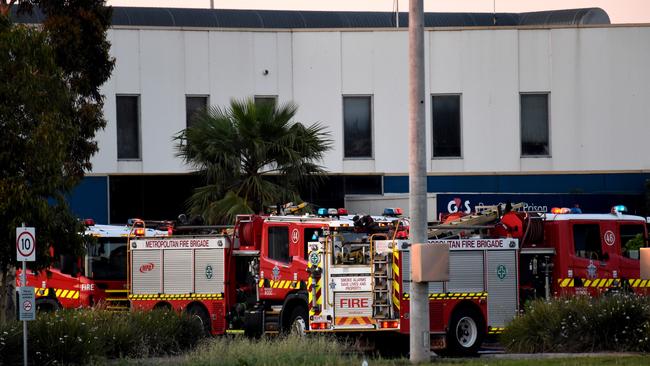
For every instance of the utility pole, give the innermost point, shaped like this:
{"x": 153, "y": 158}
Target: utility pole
{"x": 419, "y": 316}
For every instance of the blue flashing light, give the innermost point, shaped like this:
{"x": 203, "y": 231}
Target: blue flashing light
{"x": 619, "y": 208}
{"x": 322, "y": 211}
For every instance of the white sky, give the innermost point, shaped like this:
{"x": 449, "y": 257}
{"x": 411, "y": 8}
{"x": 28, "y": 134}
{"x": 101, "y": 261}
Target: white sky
{"x": 620, "y": 11}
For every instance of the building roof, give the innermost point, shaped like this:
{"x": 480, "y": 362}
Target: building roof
{"x": 284, "y": 19}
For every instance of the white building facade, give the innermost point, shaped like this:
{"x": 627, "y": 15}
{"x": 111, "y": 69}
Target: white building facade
{"x": 556, "y": 113}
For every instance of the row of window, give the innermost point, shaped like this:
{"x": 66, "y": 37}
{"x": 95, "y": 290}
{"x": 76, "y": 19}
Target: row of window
{"x": 357, "y": 124}
{"x": 446, "y": 123}
{"x": 128, "y": 120}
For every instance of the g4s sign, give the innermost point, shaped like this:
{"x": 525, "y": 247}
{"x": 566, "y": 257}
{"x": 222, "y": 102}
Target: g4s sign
{"x": 455, "y": 206}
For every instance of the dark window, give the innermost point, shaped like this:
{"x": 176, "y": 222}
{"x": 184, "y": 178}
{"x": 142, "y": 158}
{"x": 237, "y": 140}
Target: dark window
{"x": 357, "y": 129}
{"x": 586, "y": 241}
{"x": 446, "y": 125}
{"x": 128, "y": 127}
{"x": 279, "y": 243}
{"x": 632, "y": 238}
{"x": 266, "y": 100}
{"x": 193, "y": 105}
{"x": 534, "y": 125}
{"x": 359, "y": 184}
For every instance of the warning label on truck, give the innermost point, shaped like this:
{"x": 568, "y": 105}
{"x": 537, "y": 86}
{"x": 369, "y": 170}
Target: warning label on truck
{"x": 184, "y": 243}
{"x": 473, "y": 244}
{"x": 353, "y": 283}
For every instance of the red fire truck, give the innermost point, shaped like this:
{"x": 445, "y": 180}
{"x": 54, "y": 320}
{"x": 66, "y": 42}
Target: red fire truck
{"x": 99, "y": 276}
{"x": 350, "y": 274}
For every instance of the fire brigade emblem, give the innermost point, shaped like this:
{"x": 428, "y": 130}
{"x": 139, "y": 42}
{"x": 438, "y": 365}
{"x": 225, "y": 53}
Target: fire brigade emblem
{"x": 591, "y": 269}
{"x": 314, "y": 258}
{"x": 276, "y": 273}
{"x": 332, "y": 284}
{"x": 502, "y": 271}
{"x": 208, "y": 271}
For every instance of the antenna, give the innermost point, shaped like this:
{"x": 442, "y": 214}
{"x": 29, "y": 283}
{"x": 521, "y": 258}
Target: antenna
{"x": 494, "y": 12}
{"x": 396, "y": 8}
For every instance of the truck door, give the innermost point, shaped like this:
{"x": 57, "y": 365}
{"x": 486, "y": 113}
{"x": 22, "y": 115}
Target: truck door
{"x": 275, "y": 261}
{"x": 590, "y": 260}
{"x": 631, "y": 236}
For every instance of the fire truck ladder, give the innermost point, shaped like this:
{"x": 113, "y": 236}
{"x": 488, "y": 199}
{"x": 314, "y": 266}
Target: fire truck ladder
{"x": 482, "y": 216}
{"x": 381, "y": 278}
{"x": 117, "y": 300}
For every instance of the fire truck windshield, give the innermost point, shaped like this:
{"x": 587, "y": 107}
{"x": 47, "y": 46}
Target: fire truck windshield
{"x": 106, "y": 259}
{"x": 350, "y": 248}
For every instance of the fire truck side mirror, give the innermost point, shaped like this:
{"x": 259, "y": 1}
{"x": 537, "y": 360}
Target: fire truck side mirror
{"x": 430, "y": 262}
{"x": 645, "y": 263}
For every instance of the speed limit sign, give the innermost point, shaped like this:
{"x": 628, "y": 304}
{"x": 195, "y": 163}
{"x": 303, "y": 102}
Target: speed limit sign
{"x": 25, "y": 244}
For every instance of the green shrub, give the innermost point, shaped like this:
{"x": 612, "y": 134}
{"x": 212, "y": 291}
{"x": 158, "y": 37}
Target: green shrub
{"x": 312, "y": 350}
{"x": 81, "y": 336}
{"x": 582, "y": 324}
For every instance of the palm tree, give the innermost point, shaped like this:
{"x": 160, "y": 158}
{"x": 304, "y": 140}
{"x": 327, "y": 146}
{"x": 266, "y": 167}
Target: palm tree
{"x": 251, "y": 156}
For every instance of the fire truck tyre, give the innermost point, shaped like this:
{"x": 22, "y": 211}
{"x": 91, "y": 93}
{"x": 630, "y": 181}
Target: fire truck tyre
{"x": 465, "y": 333}
{"x": 47, "y": 305}
{"x": 201, "y": 315}
{"x": 298, "y": 321}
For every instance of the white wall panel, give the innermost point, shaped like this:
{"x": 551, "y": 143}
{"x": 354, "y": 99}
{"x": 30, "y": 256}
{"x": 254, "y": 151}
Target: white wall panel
{"x": 490, "y": 100}
{"x": 390, "y": 101}
{"x": 162, "y": 102}
{"x": 265, "y": 57}
{"x": 317, "y": 86}
{"x": 231, "y": 66}
{"x": 197, "y": 62}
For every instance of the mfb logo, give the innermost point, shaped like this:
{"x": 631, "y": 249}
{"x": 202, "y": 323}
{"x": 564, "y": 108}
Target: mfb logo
{"x": 146, "y": 267}
{"x": 353, "y": 303}
{"x": 455, "y": 205}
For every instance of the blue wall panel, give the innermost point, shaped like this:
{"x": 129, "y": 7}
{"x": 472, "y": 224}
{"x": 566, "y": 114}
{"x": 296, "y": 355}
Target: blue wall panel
{"x": 627, "y": 183}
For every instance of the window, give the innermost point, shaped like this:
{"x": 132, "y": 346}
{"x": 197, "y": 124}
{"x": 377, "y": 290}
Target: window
{"x": 357, "y": 131}
{"x": 193, "y": 105}
{"x": 279, "y": 243}
{"x": 128, "y": 127}
{"x": 266, "y": 100}
{"x": 446, "y": 125}
{"x": 586, "y": 241}
{"x": 309, "y": 234}
{"x": 632, "y": 238}
{"x": 534, "y": 125}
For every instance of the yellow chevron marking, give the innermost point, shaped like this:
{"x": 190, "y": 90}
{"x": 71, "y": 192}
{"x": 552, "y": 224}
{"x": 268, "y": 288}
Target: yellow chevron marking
{"x": 71, "y": 294}
{"x": 58, "y": 292}
{"x": 396, "y": 302}
{"x": 565, "y": 282}
{"x": 636, "y": 283}
{"x": 609, "y": 282}
{"x": 586, "y": 283}
{"x": 643, "y": 283}
{"x": 595, "y": 283}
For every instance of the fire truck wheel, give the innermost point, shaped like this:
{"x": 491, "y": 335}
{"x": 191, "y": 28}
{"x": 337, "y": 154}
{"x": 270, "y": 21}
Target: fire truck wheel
{"x": 465, "y": 336}
{"x": 199, "y": 312}
{"x": 298, "y": 321}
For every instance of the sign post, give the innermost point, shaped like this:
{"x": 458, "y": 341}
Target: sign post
{"x": 26, "y": 252}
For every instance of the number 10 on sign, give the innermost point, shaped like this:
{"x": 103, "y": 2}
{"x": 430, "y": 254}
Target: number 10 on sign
{"x": 25, "y": 244}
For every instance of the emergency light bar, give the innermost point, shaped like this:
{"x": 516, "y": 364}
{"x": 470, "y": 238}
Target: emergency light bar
{"x": 89, "y": 222}
{"x": 619, "y": 208}
{"x": 394, "y": 212}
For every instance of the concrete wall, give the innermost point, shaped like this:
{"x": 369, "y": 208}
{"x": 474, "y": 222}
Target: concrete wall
{"x": 598, "y": 80}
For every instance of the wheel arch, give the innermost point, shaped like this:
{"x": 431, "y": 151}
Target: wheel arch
{"x": 292, "y": 301}
{"x": 468, "y": 305}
